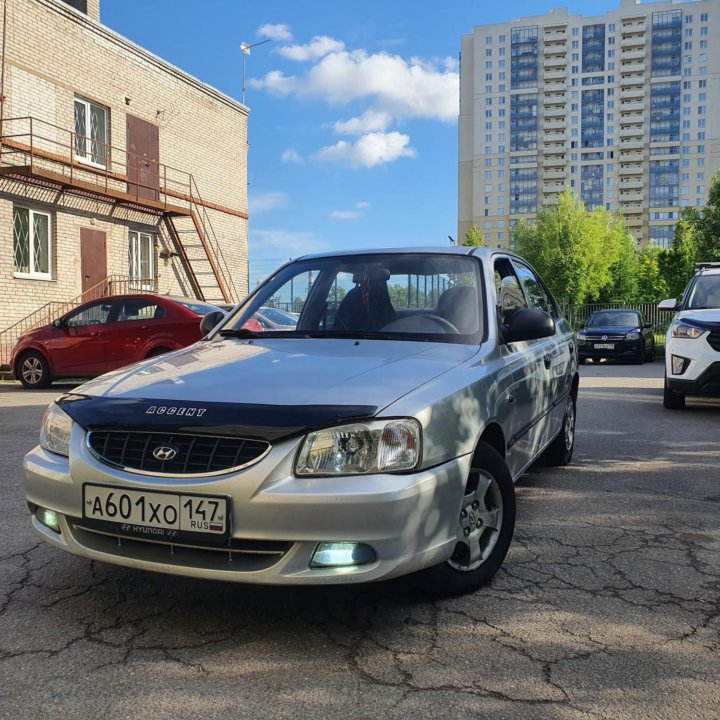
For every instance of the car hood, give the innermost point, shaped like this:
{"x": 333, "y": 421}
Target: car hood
{"x": 608, "y": 329}
{"x": 284, "y": 371}
{"x": 709, "y": 316}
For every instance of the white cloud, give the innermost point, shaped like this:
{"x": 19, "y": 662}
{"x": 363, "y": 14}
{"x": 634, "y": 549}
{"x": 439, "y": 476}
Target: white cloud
{"x": 294, "y": 242}
{"x": 291, "y": 156}
{"x": 319, "y": 46}
{"x": 362, "y": 205}
{"x": 396, "y": 87}
{"x": 369, "y": 121}
{"x": 368, "y": 151}
{"x": 280, "y": 32}
{"x": 345, "y": 214}
{"x": 262, "y": 202}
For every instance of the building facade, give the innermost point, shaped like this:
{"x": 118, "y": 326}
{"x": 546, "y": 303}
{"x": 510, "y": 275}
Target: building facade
{"x": 623, "y": 108}
{"x": 118, "y": 171}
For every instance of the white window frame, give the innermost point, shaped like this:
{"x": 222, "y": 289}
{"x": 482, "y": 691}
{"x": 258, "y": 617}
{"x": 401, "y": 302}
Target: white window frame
{"x": 86, "y": 158}
{"x": 33, "y": 274}
{"x": 135, "y": 246}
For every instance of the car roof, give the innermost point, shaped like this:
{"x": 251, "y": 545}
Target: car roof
{"x": 483, "y": 252}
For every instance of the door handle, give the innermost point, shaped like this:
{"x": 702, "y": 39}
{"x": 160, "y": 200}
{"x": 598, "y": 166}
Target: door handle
{"x": 95, "y": 334}
{"x": 546, "y": 361}
{"x": 510, "y": 398}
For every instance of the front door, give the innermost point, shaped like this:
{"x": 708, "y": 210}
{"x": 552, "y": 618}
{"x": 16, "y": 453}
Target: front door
{"x": 143, "y": 158}
{"x": 93, "y": 262}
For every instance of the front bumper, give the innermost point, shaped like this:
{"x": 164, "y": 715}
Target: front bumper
{"x": 278, "y": 520}
{"x": 701, "y": 374}
{"x": 622, "y": 349}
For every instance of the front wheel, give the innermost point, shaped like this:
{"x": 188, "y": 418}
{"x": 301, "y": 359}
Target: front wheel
{"x": 640, "y": 357}
{"x": 672, "y": 399}
{"x": 33, "y": 371}
{"x": 560, "y": 450}
{"x": 650, "y": 354}
{"x": 486, "y": 521}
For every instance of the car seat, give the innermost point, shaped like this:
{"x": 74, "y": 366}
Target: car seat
{"x": 367, "y": 306}
{"x": 459, "y": 305}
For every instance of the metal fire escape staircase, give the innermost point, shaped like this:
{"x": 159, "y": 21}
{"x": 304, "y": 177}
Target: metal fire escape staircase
{"x": 45, "y": 155}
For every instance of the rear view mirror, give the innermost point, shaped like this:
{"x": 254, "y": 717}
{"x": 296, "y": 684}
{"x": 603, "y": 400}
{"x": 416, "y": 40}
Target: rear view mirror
{"x": 647, "y": 325}
{"x": 668, "y": 305}
{"x": 209, "y": 321}
{"x": 530, "y": 324}
{"x": 57, "y": 323}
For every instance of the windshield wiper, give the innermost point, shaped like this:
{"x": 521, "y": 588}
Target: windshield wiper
{"x": 239, "y": 333}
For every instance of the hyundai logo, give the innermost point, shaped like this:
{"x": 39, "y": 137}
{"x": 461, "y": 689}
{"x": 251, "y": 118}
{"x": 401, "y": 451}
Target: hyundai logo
{"x": 164, "y": 452}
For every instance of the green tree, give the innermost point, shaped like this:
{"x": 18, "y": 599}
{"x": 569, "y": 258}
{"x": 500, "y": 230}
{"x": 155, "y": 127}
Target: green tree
{"x": 473, "y": 238}
{"x": 581, "y": 254}
{"x": 678, "y": 263}
{"x": 651, "y": 284}
{"x": 707, "y": 224}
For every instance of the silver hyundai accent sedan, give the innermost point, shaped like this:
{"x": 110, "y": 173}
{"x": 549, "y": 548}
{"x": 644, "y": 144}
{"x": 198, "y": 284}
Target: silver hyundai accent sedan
{"x": 380, "y": 436}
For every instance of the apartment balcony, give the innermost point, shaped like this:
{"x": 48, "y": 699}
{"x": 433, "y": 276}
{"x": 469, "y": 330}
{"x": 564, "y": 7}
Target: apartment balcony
{"x": 553, "y": 111}
{"x": 553, "y": 75}
{"x": 553, "y": 35}
{"x": 555, "y": 48}
{"x": 553, "y": 187}
{"x": 632, "y": 106}
{"x": 631, "y": 68}
{"x": 554, "y": 86}
{"x": 636, "y": 25}
{"x": 631, "y": 196}
{"x": 553, "y": 62}
{"x": 557, "y": 100}
{"x": 550, "y": 199}
{"x": 633, "y": 183}
{"x": 632, "y": 55}
{"x": 550, "y": 161}
{"x": 633, "y": 80}
{"x": 553, "y": 173}
{"x": 631, "y": 118}
{"x": 553, "y": 136}
{"x": 633, "y": 144}
{"x": 633, "y": 220}
{"x": 632, "y": 93}
{"x": 636, "y": 131}
{"x": 554, "y": 124}
{"x": 635, "y": 168}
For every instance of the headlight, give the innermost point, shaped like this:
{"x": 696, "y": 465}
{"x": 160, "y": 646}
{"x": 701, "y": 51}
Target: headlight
{"x": 683, "y": 330}
{"x": 55, "y": 430}
{"x": 634, "y": 335}
{"x": 377, "y": 446}
{"x": 581, "y": 337}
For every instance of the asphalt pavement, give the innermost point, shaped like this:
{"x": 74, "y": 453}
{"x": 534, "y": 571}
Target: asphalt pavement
{"x": 607, "y": 607}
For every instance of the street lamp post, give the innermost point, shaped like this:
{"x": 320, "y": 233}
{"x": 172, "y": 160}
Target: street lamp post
{"x": 245, "y": 48}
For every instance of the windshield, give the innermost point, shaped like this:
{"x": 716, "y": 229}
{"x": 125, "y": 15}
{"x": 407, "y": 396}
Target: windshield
{"x": 199, "y": 308}
{"x": 613, "y": 319}
{"x": 705, "y": 293}
{"x": 417, "y": 296}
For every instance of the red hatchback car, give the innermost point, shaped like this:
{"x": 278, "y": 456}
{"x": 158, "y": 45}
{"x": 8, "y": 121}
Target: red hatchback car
{"x": 106, "y": 334}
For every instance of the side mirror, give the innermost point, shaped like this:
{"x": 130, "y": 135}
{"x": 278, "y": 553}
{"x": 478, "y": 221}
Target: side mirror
{"x": 530, "y": 324}
{"x": 58, "y": 324}
{"x": 668, "y": 305}
{"x": 647, "y": 326}
{"x": 209, "y": 321}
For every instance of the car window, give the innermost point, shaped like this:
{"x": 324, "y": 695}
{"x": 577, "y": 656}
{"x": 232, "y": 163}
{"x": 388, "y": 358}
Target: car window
{"x": 199, "y": 308}
{"x": 510, "y": 296}
{"x": 536, "y": 293}
{"x": 95, "y": 314}
{"x": 139, "y": 310}
{"x": 705, "y": 293}
{"x": 613, "y": 319}
{"x": 390, "y": 294}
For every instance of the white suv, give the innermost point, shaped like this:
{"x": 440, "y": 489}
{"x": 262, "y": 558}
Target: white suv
{"x": 692, "y": 344}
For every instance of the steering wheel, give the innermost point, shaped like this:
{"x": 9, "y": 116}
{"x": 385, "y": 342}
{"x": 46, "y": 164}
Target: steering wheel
{"x": 446, "y": 325}
{"x": 420, "y": 324}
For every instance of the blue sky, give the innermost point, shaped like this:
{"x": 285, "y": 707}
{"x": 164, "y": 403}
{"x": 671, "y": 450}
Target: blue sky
{"x": 353, "y": 123}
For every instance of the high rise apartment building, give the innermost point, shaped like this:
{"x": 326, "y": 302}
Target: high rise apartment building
{"x": 624, "y": 108}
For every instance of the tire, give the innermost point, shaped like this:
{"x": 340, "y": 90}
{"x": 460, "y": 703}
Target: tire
{"x": 650, "y": 356}
{"x": 486, "y": 521}
{"x": 639, "y": 359}
{"x": 581, "y": 361}
{"x": 560, "y": 450}
{"x": 672, "y": 399}
{"x": 33, "y": 370}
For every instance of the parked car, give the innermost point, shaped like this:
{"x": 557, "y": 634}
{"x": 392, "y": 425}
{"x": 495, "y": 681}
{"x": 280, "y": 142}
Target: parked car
{"x": 104, "y": 335}
{"x": 619, "y": 334}
{"x": 692, "y": 343}
{"x": 380, "y": 436}
{"x": 267, "y": 318}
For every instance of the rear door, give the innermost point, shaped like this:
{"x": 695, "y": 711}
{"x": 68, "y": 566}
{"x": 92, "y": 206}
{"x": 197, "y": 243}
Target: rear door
{"x": 138, "y": 326}
{"x": 80, "y": 345}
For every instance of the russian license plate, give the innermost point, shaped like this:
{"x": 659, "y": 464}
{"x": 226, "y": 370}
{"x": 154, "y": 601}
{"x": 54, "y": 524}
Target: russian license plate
{"x": 159, "y": 515}
{"x": 604, "y": 346}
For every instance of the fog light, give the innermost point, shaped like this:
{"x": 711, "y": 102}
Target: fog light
{"x": 48, "y": 518}
{"x": 342, "y": 554}
{"x": 679, "y": 364}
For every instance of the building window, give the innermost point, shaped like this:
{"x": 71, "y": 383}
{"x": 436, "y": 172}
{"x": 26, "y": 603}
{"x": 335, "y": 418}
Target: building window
{"x": 141, "y": 260}
{"x": 91, "y": 132}
{"x": 32, "y": 244}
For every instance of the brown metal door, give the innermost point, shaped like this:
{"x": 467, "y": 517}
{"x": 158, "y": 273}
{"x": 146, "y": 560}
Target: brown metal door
{"x": 143, "y": 147}
{"x": 93, "y": 261}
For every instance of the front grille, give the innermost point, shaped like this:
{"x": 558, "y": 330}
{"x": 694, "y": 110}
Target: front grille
{"x": 608, "y": 337}
{"x": 195, "y": 455}
{"x": 714, "y": 340}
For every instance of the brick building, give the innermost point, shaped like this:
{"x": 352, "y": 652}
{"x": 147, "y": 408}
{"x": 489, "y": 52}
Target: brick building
{"x": 118, "y": 171}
